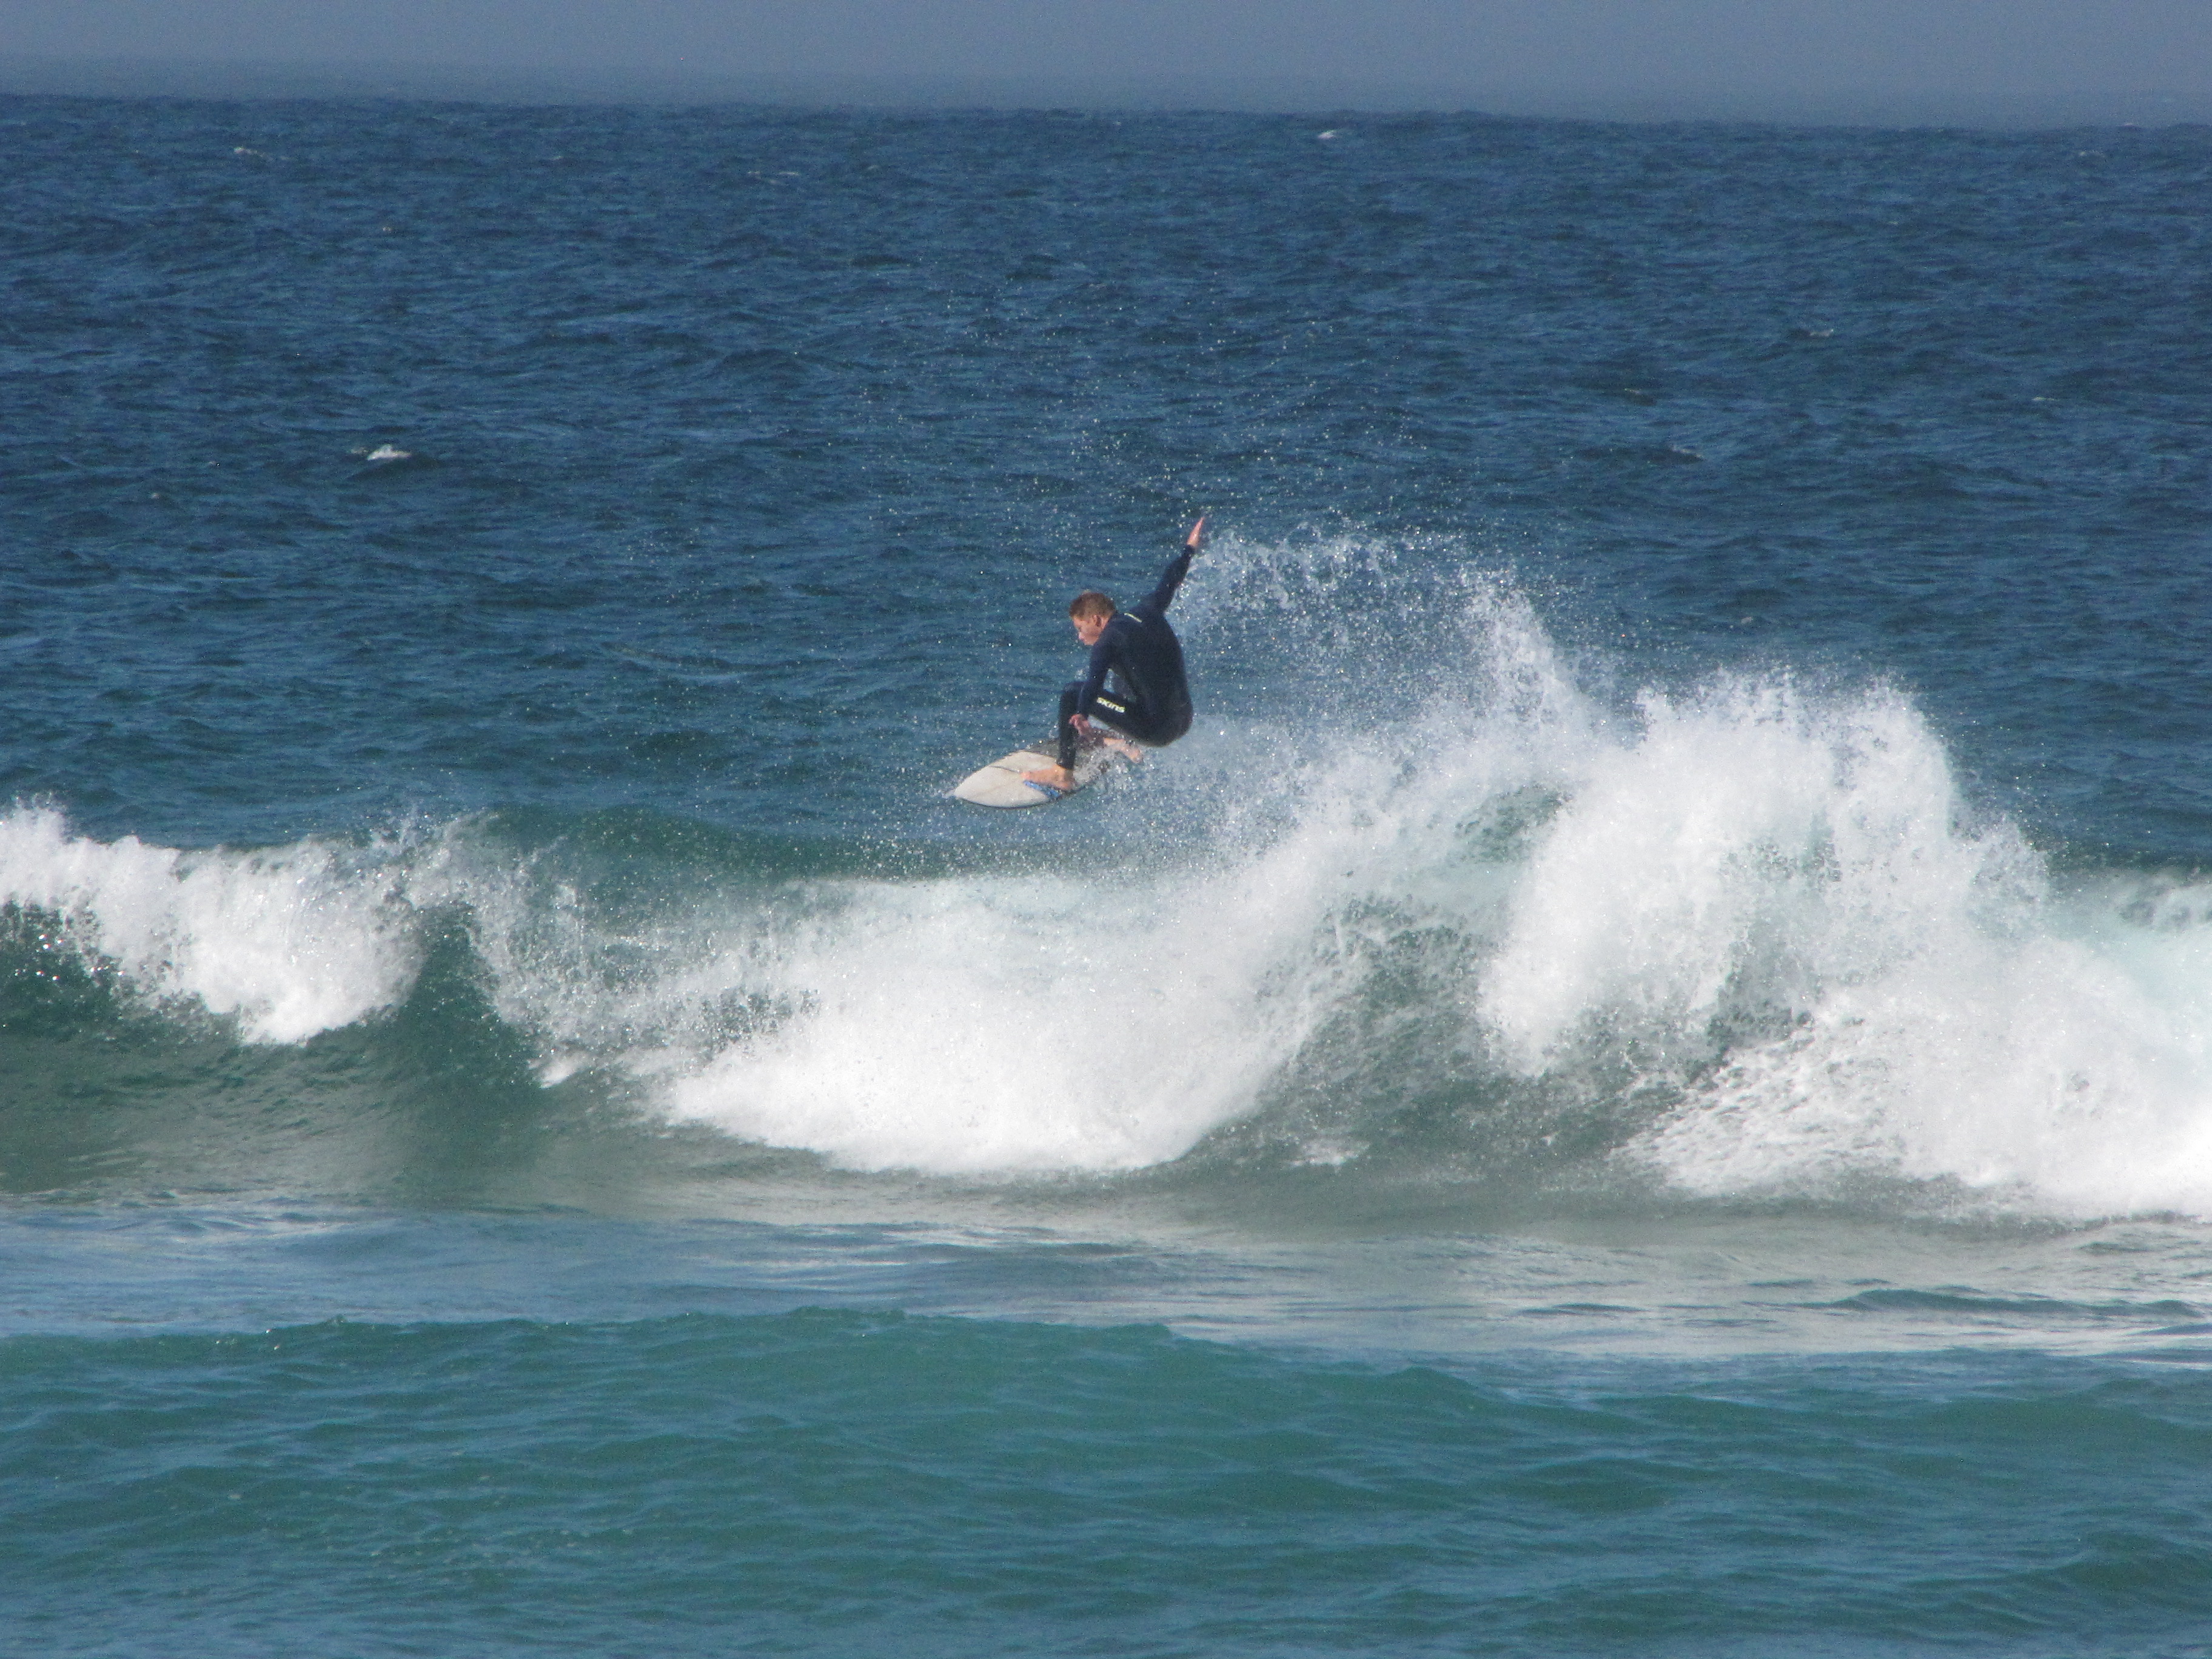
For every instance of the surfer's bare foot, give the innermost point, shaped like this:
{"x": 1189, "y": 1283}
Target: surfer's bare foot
{"x": 1052, "y": 777}
{"x": 1124, "y": 748}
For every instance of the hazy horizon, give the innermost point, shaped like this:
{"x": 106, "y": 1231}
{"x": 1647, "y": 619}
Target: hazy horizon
{"x": 1882, "y": 62}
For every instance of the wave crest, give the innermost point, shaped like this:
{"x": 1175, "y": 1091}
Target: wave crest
{"x": 289, "y": 941}
{"x": 1451, "y": 909}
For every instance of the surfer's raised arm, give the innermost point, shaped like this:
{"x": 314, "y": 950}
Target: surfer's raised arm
{"x": 1171, "y": 578}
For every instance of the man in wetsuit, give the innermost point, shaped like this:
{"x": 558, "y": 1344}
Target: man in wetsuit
{"x": 1148, "y": 701}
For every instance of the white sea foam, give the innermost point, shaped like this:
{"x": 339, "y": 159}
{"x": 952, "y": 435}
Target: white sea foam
{"x": 973, "y": 1026}
{"x": 1075, "y": 1022}
{"x": 1770, "y": 898}
{"x": 1747, "y": 847}
{"x": 1782, "y": 897}
{"x": 290, "y": 941}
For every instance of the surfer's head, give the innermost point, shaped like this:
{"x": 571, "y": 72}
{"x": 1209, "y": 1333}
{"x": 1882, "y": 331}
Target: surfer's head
{"x": 1090, "y": 610}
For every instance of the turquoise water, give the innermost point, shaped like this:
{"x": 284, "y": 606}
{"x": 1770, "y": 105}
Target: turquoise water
{"x": 1638, "y": 1085}
{"x": 818, "y": 1481}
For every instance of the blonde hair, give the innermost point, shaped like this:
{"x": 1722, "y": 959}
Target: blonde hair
{"x": 1090, "y": 603}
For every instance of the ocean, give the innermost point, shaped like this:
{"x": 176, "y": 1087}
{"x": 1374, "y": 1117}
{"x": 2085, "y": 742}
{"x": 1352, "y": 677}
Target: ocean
{"x": 1640, "y": 1084}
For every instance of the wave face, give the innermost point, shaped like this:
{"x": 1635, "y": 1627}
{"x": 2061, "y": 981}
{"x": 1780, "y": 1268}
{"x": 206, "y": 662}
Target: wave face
{"x": 1636, "y": 1085}
{"x": 286, "y": 942}
{"x": 1467, "y": 911}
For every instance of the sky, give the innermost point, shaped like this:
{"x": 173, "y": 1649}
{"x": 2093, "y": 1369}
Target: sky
{"x": 2002, "y": 62}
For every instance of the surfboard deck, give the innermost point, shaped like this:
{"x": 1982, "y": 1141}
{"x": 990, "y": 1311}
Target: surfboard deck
{"x": 1000, "y": 783}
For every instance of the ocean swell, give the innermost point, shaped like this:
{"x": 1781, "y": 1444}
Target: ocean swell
{"x": 1741, "y": 937}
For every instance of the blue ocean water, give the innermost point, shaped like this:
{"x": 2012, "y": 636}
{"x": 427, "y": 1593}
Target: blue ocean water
{"x": 1640, "y": 1084}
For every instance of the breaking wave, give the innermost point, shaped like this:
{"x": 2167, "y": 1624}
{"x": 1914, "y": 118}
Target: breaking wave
{"x": 1458, "y": 911}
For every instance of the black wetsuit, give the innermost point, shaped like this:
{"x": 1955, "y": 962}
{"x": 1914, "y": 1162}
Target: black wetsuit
{"x": 1149, "y": 698}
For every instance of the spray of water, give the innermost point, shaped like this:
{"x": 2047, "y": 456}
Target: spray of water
{"x": 287, "y": 942}
{"x": 1761, "y": 903}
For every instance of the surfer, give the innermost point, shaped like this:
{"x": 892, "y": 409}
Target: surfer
{"x": 1148, "y": 701}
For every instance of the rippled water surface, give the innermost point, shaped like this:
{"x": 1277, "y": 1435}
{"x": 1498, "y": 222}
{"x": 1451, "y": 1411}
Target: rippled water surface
{"x": 1639, "y": 1084}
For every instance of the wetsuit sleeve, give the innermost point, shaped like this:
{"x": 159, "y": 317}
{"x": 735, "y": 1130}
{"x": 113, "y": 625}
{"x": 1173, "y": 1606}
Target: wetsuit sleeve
{"x": 1170, "y": 579}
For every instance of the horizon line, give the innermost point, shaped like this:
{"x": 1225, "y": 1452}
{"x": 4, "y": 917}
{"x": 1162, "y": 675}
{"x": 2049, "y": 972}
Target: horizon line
{"x": 259, "y": 80}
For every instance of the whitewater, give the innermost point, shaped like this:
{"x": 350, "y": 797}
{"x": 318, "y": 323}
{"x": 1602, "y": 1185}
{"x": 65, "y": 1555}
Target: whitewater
{"x": 1637, "y": 1084}
{"x": 1739, "y": 937}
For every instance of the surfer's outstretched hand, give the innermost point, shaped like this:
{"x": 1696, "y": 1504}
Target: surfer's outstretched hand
{"x": 1192, "y": 544}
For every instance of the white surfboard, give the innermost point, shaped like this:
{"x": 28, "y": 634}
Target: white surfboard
{"x": 1001, "y": 783}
